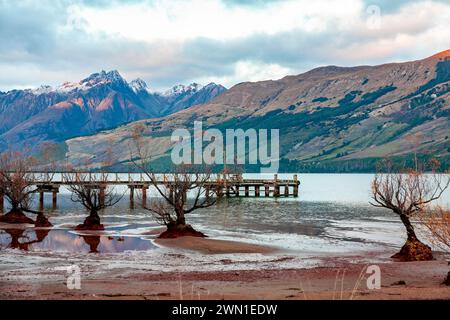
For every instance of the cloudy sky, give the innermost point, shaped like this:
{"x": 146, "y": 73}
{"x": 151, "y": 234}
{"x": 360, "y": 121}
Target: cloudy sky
{"x": 171, "y": 42}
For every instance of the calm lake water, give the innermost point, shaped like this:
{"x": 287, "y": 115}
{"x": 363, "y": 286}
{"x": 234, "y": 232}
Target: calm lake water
{"x": 332, "y": 215}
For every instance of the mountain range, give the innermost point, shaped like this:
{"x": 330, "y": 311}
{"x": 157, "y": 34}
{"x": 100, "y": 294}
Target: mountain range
{"x": 340, "y": 119}
{"x": 102, "y": 101}
{"x": 330, "y": 118}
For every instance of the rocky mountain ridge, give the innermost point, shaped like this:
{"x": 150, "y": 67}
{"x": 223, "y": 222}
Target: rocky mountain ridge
{"x": 330, "y": 118}
{"x": 101, "y": 101}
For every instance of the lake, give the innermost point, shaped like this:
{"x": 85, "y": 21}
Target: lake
{"x": 332, "y": 215}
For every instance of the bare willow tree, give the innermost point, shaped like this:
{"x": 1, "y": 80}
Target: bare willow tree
{"x": 174, "y": 189}
{"x": 17, "y": 186}
{"x": 437, "y": 222}
{"x": 93, "y": 192}
{"x": 408, "y": 193}
{"x": 187, "y": 189}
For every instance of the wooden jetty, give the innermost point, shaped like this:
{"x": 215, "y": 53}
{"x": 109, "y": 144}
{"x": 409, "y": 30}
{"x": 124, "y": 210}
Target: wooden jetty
{"x": 224, "y": 185}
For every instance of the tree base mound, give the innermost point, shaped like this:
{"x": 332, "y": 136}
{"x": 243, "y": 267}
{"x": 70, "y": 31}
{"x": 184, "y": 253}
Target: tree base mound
{"x": 91, "y": 223}
{"x": 42, "y": 222}
{"x": 183, "y": 230}
{"x": 16, "y": 217}
{"x": 414, "y": 250}
{"x": 90, "y": 226}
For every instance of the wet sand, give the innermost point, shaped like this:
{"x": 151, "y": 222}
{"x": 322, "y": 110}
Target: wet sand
{"x": 338, "y": 277}
{"x": 213, "y": 246}
{"x": 343, "y": 281}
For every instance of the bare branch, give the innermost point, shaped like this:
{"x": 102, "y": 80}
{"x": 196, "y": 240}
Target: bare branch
{"x": 175, "y": 188}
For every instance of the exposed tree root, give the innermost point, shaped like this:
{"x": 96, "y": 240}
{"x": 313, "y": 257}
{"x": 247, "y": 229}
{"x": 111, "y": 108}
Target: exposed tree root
{"x": 180, "y": 230}
{"x": 414, "y": 250}
{"x": 91, "y": 223}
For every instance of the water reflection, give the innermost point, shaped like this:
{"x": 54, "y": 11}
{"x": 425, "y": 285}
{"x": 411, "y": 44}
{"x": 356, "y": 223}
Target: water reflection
{"x": 66, "y": 240}
{"x": 20, "y": 238}
{"x": 92, "y": 242}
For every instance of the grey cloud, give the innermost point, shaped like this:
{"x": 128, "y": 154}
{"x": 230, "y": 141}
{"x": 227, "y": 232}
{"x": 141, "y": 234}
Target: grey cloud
{"x": 295, "y": 49}
{"x": 27, "y": 30}
{"x": 34, "y": 52}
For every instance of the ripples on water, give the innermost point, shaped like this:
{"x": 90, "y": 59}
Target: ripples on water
{"x": 332, "y": 215}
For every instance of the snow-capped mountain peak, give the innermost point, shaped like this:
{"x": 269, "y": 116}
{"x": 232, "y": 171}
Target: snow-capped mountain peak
{"x": 181, "y": 89}
{"x": 194, "y": 87}
{"x": 102, "y": 77}
{"x": 94, "y": 79}
{"x": 42, "y": 89}
{"x": 138, "y": 85}
{"x": 69, "y": 86}
{"x": 181, "y": 93}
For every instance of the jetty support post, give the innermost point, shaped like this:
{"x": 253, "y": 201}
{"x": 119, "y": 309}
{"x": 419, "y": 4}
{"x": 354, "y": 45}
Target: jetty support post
{"x": 41, "y": 199}
{"x": 276, "y": 190}
{"x": 296, "y": 183}
{"x": 266, "y": 190}
{"x": 256, "y": 190}
{"x": 54, "y": 198}
{"x": 131, "y": 196}
{"x": 144, "y": 195}
{"x": 246, "y": 191}
{"x": 286, "y": 190}
{"x": 276, "y": 187}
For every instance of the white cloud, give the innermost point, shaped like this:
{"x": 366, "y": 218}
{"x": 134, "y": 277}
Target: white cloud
{"x": 186, "y": 20}
{"x": 249, "y": 71}
{"x": 415, "y": 31}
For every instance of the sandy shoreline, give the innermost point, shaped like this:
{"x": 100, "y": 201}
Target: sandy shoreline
{"x": 213, "y": 246}
{"x": 334, "y": 277}
{"x": 422, "y": 281}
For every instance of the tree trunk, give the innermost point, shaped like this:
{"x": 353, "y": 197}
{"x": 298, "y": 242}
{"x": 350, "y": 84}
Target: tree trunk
{"x": 413, "y": 249}
{"x": 181, "y": 220}
{"x": 94, "y": 217}
{"x": 410, "y": 232}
